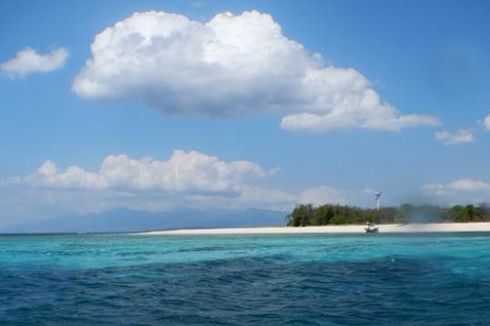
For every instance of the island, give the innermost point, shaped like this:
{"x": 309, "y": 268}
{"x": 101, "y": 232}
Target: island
{"x": 309, "y": 215}
{"x": 342, "y": 219}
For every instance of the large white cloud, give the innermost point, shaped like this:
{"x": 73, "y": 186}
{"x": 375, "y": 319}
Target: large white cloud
{"x": 232, "y": 65}
{"x": 28, "y": 61}
{"x": 462, "y": 136}
{"x": 183, "y": 172}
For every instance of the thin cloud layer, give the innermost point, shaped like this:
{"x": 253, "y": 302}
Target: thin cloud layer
{"x": 28, "y": 61}
{"x": 233, "y": 65}
{"x": 459, "y": 191}
{"x": 462, "y": 136}
{"x": 486, "y": 122}
{"x": 322, "y": 195}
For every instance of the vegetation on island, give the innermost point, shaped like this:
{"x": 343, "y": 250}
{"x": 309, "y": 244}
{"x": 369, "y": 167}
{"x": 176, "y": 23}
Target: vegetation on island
{"x": 305, "y": 215}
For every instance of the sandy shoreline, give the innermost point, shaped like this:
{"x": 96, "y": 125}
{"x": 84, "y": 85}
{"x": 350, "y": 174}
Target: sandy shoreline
{"x": 334, "y": 229}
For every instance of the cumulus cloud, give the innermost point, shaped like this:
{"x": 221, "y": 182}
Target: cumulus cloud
{"x": 459, "y": 191}
{"x": 231, "y": 65}
{"x": 28, "y": 61}
{"x": 186, "y": 179}
{"x": 462, "y": 136}
{"x": 183, "y": 172}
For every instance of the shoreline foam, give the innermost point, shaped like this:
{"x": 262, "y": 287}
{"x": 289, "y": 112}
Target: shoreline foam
{"x": 333, "y": 229}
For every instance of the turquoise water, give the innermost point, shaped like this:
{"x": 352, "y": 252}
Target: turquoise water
{"x": 114, "y": 279}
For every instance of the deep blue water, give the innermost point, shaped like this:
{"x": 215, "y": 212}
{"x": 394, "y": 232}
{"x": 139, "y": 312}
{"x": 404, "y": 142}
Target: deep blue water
{"x": 116, "y": 279}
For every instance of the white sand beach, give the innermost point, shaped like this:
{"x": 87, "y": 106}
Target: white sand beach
{"x": 334, "y": 229}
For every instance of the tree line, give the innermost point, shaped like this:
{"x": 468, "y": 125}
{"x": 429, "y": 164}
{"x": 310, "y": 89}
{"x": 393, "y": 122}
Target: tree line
{"x": 304, "y": 215}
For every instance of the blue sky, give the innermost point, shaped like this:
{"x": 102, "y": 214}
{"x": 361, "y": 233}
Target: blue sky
{"x": 423, "y": 58}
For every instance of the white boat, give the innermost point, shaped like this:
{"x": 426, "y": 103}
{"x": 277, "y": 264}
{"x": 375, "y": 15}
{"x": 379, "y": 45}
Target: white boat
{"x": 371, "y": 228}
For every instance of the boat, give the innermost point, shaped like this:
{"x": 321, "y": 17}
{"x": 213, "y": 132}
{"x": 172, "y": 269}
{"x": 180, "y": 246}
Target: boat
{"x": 371, "y": 228}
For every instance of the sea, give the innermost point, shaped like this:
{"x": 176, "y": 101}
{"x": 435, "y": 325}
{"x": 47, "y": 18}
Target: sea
{"x": 126, "y": 279}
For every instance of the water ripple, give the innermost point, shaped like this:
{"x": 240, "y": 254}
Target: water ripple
{"x": 237, "y": 281}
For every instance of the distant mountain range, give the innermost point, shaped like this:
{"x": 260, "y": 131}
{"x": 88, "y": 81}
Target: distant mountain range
{"x": 127, "y": 220}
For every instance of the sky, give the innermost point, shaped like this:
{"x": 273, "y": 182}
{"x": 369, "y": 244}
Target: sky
{"x": 153, "y": 105}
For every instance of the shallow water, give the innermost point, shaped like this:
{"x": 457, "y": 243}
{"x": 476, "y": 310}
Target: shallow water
{"x": 114, "y": 279}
